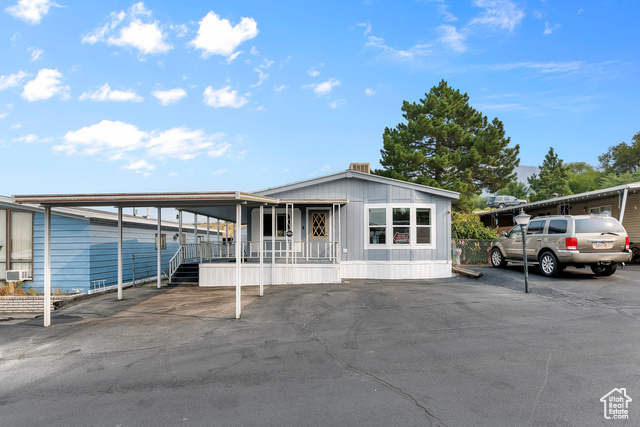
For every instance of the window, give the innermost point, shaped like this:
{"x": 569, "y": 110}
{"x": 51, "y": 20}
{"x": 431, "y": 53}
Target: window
{"x": 535, "y": 227}
{"x": 318, "y": 224}
{"x": 601, "y": 210}
{"x": 515, "y": 232}
{"x": 399, "y": 226}
{"x": 16, "y": 238}
{"x": 281, "y": 224}
{"x": 163, "y": 241}
{"x": 557, "y": 226}
{"x": 377, "y": 226}
{"x": 423, "y": 226}
{"x": 266, "y": 224}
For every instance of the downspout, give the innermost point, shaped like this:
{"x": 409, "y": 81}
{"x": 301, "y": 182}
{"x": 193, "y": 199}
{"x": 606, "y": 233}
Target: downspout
{"x": 624, "y": 204}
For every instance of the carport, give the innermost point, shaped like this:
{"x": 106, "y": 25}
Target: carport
{"x": 222, "y": 205}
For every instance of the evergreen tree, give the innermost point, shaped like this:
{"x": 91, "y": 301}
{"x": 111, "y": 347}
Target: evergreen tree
{"x": 553, "y": 178}
{"x": 448, "y": 144}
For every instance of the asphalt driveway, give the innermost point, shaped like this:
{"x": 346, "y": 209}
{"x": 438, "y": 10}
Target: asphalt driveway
{"x": 454, "y": 352}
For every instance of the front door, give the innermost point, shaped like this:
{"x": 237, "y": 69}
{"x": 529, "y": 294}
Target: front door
{"x": 319, "y": 237}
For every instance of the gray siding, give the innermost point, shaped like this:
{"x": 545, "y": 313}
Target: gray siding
{"x": 360, "y": 192}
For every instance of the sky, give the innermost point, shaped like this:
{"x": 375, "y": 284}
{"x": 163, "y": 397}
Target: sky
{"x": 122, "y": 96}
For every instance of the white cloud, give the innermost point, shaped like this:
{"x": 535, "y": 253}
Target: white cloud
{"x": 498, "y": 13}
{"x": 3, "y": 115}
{"x": 141, "y": 150}
{"x": 218, "y": 37}
{"x": 254, "y": 51}
{"x": 550, "y": 29}
{"x": 12, "y": 80}
{"x": 262, "y": 72}
{"x": 218, "y": 172}
{"x": 369, "y": 92}
{"x": 416, "y": 51}
{"x": 104, "y": 93}
{"x": 31, "y": 11}
{"x": 543, "y": 67}
{"x": 336, "y": 103}
{"x": 219, "y": 150}
{"x": 46, "y": 85}
{"x": 31, "y": 138}
{"x": 323, "y": 88}
{"x": 224, "y": 97}
{"x": 366, "y": 26}
{"x": 452, "y": 38}
{"x": 171, "y": 96}
{"x": 17, "y": 126}
{"x": 180, "y": 143}
{"x": 313, "y": 72}
{"x": 35, "y": 53}
{"x": 133, "y": 28}
{"x": 107, "y": 137}
{"x": 232, "y": 57}
{"x": 279, "y": 88}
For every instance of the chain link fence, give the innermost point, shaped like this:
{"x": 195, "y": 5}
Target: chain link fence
{"x": 470, "y": 251}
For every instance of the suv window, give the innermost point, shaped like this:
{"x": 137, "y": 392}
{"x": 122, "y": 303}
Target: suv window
{"x": 598, "y": 225}
{"x": 515, "y": 231}
{"x": 536, "y": 227}
{"x": 557, "y": 226}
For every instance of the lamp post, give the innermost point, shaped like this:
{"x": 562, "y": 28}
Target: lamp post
{"x": 523, "y": 221}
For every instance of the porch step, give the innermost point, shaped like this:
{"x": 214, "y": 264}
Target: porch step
{"x": 186, "y": 275}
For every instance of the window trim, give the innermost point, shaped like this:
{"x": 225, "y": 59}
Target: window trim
{"x": 413, "y": 226}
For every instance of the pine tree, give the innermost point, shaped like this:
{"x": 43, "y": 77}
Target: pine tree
{"x": 446, "y": 143}
{"x": 553, "y": 178}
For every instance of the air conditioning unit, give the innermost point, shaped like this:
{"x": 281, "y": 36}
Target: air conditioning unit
{"x": 17, "y": 275}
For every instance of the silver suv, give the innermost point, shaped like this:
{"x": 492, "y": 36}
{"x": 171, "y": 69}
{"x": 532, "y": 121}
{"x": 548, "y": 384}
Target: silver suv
{"x": 554, "y": 242}
{"x": 504, "y": 201}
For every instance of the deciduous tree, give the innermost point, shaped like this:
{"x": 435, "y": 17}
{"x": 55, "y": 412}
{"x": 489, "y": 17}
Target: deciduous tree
{"x": 622, "y": 158}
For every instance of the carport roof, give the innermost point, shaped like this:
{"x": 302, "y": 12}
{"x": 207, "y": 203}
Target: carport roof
{"x": 157, "y": 200}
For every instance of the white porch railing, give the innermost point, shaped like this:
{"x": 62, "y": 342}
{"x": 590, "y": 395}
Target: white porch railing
{"x": 290, "y": 252}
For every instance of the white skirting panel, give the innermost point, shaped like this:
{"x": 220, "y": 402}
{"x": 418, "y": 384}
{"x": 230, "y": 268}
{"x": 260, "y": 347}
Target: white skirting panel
{"x": 390, "y": 270}
{"x": 217, "y": 274}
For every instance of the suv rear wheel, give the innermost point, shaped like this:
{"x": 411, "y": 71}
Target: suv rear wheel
{"x": 604, "y": 270}
{"x": 497, "y": 260}
{"x": 549, "y": 264}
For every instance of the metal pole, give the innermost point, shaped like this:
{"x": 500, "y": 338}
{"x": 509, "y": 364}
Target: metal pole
{"x": 119, "y": 253}
{"x": 261, "y": 250}
{"x": 524, "y": 257}
{"x": 238, "y": 241}
{"x": 195, "y": 228}
{"x": 159, "y": 248}
{"x": 273, "y": 245}
{"x": 47, "y": 266}
{"x": 624, "y": 204}
{"x": 133, "y": 269}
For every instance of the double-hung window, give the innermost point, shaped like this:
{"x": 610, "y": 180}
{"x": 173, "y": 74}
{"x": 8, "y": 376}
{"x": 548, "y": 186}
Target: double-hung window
{"x": 399, "y": 226}
{"x": 16, "y": 238}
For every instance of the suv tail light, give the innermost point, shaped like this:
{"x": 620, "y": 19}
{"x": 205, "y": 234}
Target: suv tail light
{"x": 626, "y": 243}
{"x": 572, "y": 243}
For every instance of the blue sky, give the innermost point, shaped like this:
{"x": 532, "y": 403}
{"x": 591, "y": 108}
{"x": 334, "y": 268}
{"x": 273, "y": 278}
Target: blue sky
{"x": 111, "y": 96}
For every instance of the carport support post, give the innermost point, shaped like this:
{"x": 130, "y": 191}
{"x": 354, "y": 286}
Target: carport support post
{"x": 47, "y": 266}
{"x": 624, "y": 204}
{"x": 273, "y": 245}
{"x": 195, "y": 228}
{"x": 238, "y": 241}
{"x": 159, "y": 244}
{"x": 261, "y": 250}
{"x": 119, "y": 253}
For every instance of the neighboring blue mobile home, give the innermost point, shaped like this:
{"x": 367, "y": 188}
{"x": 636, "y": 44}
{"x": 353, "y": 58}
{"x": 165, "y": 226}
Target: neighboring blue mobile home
{"x": 83, "y": 246}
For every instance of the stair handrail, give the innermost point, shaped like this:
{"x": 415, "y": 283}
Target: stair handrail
{"x": 176, "y": 261}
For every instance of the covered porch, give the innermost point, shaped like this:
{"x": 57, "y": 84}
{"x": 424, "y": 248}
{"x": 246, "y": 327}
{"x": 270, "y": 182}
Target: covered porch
{"x": 279, "y": 255}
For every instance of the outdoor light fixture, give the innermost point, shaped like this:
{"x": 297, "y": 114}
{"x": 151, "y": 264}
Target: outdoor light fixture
{"x": 523, "y": 221}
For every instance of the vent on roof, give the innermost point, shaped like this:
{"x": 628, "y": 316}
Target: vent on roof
{"x": 360, "y": 167}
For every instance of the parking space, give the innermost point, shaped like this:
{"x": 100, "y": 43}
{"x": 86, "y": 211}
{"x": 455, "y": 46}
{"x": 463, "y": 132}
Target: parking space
{"x": 444, "y": 352}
